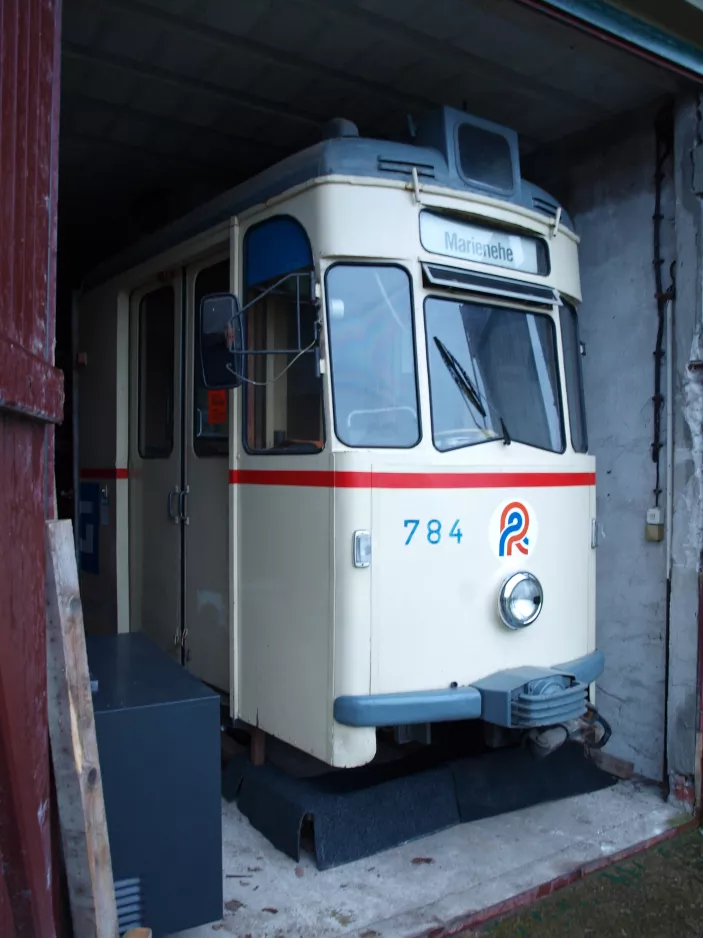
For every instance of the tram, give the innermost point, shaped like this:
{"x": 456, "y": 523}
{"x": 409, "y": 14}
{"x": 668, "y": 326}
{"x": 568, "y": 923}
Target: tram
{"x": 333, "y": 446}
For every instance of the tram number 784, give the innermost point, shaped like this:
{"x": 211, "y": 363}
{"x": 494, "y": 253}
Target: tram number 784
{"x": 433, "y": 531}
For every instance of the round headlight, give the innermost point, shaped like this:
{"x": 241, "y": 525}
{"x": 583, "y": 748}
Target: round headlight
{"x": 520, "y": 600}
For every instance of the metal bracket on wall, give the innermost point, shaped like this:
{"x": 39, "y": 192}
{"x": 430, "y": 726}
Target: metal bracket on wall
{"x": 697, "y": 163}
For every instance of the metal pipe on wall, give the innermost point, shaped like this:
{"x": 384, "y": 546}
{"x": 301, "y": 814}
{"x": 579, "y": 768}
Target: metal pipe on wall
{"x": 74, "y": 423}
{"x": 669, "y": 393}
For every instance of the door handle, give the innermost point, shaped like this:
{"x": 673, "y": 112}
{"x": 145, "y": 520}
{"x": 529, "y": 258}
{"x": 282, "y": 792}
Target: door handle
{"x": 171, "y": 510}
{"x": 182, "y": 507}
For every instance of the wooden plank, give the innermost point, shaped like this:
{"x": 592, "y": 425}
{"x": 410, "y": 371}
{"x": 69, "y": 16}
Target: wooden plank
{"x": 229, "y": 748}
{"x": 74, "y": 746}
{"x": 258, "y": 746}
{"x": 612, "y": 764}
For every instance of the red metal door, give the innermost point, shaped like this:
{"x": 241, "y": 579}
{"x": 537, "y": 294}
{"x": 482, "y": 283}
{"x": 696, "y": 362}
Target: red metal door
{"x": 31, "y": 401}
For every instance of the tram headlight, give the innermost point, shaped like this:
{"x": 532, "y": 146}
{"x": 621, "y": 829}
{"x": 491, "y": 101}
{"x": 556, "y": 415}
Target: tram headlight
{"x": 520, "y": 600}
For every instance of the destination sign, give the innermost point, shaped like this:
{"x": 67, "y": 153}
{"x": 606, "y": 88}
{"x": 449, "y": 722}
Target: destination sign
{"x": 441, "y": 234}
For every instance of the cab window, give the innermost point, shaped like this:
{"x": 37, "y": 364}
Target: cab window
{"x": 571, "y": 346}
{"x": 282, "y": 388}
{"x": 210, "y": 408}
{"x": 372, "y": 349}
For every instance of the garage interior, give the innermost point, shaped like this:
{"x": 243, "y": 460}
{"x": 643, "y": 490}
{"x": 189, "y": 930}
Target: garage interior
{"x": 167, "y": 103}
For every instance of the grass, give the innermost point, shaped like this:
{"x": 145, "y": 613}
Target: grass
{"x": 656, "y": 894}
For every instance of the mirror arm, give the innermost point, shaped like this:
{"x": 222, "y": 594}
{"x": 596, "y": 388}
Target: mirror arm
{"x": 318, "y": 351}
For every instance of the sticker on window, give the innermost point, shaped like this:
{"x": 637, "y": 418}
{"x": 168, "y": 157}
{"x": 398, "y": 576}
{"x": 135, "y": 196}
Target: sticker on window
{"x": 216, "y": 407}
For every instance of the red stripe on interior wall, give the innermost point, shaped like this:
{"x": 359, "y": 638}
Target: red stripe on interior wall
{"x": 410, "y": 480}
{"x": 108, "y": 473}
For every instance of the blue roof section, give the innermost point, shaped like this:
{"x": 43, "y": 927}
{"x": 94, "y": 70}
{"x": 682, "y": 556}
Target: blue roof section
{"x": 652, "y": 39}
{"x": 349, "y": 156}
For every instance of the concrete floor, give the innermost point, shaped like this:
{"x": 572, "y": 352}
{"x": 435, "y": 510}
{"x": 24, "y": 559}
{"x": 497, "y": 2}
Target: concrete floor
{"x": 654, "y": 894}
{"x": 431, "y": 883}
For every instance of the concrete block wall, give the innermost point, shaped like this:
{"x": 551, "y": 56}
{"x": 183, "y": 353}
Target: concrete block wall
{"x": 607, "y": 184}
{"x": 683, "y": 749}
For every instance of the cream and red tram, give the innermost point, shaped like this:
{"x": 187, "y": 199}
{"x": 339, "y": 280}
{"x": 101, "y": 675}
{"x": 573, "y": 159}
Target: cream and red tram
{"x": 344, "y": 408}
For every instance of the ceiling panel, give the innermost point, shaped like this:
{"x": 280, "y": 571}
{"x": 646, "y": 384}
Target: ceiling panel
{"x": 166, "y": 102}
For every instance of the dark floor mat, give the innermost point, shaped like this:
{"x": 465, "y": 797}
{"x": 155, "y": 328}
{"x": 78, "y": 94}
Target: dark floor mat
{"x": 509, "y": 779}
{"x": 360, "y": 812}
{"x": 355, "y": 814}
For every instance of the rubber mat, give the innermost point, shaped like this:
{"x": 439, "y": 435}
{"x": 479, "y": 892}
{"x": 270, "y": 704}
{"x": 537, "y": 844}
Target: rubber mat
{"x": 509, "y": 779}
{"x": 360, "y": 812}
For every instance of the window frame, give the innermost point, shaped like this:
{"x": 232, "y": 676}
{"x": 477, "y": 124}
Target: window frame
{"x": 556, "y": 339}
{"x": 399, "y": 266}
{"x": 197, "y": 442}
{"x": 246, "y": 387}
{"x": 472, "y": 181}
{"x": 489, "y": 225}
{"x": 164, "y": 454}
{"x": 568, "y": 308}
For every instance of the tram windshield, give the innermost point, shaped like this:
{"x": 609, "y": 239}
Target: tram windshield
{"x": 493, "y": 376}
{"x": 372, "y": 349}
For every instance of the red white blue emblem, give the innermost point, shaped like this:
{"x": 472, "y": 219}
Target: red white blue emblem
{"x": 513, "y": 530}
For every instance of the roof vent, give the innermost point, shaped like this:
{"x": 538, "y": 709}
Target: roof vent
{"x": 482, "y": 155}
{"x": 339, "y": 127}
{"x": 544, "y": 204}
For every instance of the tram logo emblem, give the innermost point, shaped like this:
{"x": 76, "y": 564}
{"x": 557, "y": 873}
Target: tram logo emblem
{"x": 513, "y": 529}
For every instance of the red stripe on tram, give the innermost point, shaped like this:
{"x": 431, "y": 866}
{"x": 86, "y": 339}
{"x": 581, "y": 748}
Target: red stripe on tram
{"x": 104, "y": 473}
{"x": 410, "y": 480}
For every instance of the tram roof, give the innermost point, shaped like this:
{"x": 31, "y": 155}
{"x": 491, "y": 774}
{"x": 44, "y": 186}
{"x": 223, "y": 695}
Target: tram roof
{"x": 343, "y": 155}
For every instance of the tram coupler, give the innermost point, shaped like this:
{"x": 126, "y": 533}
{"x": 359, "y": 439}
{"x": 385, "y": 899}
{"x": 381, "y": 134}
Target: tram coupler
{"x": 591, "y": 729}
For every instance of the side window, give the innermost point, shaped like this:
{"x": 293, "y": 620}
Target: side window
{"x": 372, "y": 346}
{"x": 282, "y": 389}
{"x": 574, "y": 378}
{"x": 156, "y": 373}
{"x": 210, "y": 408}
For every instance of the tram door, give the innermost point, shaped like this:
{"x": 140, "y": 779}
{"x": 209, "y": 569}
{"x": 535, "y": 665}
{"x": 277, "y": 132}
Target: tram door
{"x": 179, "y": 562}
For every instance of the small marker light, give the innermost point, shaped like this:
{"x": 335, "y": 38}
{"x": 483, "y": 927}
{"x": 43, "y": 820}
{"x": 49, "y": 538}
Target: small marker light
{"x": 362, "y": 549}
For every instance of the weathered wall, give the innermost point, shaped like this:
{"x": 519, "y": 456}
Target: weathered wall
{"x": 688, "y": 437}
{"x": 30, "y": 403}
{"x": 608, "y": 187}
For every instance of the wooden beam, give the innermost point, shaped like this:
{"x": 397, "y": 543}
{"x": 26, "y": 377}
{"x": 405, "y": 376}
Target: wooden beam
{"x": 258, "y": 746}
{"x": 612, "y": 764}
{"x": 74, "y": 747}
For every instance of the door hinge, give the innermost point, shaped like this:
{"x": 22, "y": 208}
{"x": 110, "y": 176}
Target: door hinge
{"x": 171, "y": 510}
{"x": 594, "y": 532}
{"x": 179, "y": 638}
{"x": 182, "y": 505}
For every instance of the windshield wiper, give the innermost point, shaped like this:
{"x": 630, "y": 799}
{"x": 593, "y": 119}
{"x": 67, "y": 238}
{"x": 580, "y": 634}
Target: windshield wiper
{"x": 466, "y": 385}
{"x": 507, "y": 439}
{"x": 461, "y": 379}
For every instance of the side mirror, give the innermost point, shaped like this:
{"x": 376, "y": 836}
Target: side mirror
{"x": 221, "y": 341}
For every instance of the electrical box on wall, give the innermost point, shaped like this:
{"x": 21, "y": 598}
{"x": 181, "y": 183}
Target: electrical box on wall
{"x": 654, "y": 528}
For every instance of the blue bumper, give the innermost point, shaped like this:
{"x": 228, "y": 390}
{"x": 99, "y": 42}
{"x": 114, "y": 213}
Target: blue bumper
{"x": 518, "y": 697}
